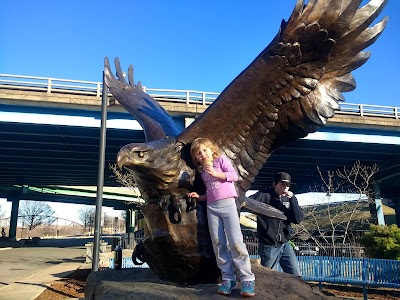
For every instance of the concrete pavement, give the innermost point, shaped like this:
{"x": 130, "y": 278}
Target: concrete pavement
{"x": 25, "y": 272}
{"x": 32, "y": 286}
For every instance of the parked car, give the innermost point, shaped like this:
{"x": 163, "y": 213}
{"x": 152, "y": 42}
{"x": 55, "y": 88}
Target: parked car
{"x": 308, "y": 250}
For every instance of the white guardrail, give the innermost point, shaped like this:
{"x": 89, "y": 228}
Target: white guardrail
{"x": 91, "y": 88}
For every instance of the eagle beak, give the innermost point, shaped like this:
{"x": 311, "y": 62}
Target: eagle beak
{"x": 122, "y": 158}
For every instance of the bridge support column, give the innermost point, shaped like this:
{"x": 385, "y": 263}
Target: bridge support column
{"x": 14, "y": 198}
{"x": 378, "y": 204}
{"x": 130, "y": 220}
{"x": 397, "y": 209}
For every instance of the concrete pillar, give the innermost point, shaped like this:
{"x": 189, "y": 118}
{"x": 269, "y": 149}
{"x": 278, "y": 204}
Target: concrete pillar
{"x": 14, "y": 198}
{"x": 378, "y": 204}
{"x": 130, "y": 219}
{"x": 397, "y": 209}
{"x": 133, "y": 220}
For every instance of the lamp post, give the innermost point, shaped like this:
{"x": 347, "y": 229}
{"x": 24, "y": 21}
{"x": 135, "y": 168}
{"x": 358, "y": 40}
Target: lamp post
{"x": 100, "y": 179}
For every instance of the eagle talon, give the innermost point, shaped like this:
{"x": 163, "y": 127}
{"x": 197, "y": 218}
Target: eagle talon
{"x": 138, "y": 253}
{"x": 164, "y": 202}
{"x": 178, "y": 212}
{"x": 175, "y": 208}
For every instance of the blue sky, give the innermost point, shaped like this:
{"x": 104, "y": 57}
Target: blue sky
{"x": 198, "y": 45}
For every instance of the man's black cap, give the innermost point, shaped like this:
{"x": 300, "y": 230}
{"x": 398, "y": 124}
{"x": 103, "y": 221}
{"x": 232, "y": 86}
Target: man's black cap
{"x": 282, "y": 176}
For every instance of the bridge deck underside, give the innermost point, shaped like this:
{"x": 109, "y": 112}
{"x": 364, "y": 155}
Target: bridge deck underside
{"x": 38, "y": 155}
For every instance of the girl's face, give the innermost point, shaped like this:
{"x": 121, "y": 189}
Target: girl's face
{"x": 203, "y": 153}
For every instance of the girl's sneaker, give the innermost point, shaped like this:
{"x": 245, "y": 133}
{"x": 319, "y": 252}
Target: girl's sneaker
{"x": 248, "y": 289}
{"x": 226, "y": 287}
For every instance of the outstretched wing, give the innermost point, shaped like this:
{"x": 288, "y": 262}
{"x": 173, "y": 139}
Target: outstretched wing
{"x": 155, "y": 121}
{"x": 293, "y": 86}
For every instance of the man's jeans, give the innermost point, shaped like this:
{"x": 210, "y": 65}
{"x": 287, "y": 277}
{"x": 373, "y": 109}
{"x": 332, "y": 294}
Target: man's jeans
{"x": 283, "y": 254}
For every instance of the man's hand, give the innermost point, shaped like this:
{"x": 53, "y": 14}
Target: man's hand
{"x": 288, "y": 194}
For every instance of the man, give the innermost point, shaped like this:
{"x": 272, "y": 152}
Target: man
{"x": 273, "y": 234}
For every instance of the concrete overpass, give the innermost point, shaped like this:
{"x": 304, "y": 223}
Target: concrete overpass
{"x": 44, "y": 152}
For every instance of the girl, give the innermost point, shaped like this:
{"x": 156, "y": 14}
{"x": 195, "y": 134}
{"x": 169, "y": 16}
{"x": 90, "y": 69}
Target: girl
{"x": 219, "y": 176}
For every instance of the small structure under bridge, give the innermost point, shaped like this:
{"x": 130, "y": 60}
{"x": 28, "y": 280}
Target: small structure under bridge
{"x": 116, "y": 197}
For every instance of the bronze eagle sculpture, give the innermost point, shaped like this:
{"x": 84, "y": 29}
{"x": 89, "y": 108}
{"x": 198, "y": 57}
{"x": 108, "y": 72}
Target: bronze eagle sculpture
{"x": 290, "y": 90}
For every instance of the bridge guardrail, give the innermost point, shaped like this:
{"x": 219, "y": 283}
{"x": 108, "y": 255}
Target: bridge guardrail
{"x": 91, "y": 88}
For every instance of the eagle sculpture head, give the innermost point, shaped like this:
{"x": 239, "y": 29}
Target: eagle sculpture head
{"x": 157, "y": 167}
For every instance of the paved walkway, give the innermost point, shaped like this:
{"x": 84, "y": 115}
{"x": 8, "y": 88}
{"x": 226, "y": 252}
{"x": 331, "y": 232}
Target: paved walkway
{"x": 32, "y": 286}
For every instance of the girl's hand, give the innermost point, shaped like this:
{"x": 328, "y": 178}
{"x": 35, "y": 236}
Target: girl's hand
{"x": 210, "y": 170}
{"x": 219, "y": 175}
{"x": 193, "y": 195}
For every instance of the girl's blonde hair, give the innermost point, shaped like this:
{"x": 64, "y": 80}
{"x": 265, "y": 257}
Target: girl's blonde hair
{"x": 207, "y": 143}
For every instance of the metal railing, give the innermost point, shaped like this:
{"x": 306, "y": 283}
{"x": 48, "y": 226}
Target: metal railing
{"x": 325, "y": 249}
{"x": 50, "y": 85}
{"x": 360, "y": 271}
{"x": 91, "y": 88}
{"x": 313, "y": 249}
{"x": 127, "y": 263}
{"x": 364, "y": 110}
{"x": 130, "y": 240}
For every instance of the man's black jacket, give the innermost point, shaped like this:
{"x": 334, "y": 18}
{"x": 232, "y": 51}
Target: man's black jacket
{"x": 273, "y": 231}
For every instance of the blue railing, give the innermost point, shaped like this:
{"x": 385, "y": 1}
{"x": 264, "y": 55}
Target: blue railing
{"x": 90, "y": 88}
{"x": 357, "y": 271}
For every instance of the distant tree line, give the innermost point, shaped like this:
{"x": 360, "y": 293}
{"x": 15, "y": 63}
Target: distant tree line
{"x": 35, "y": 213}
{"x": 87, "y": 215}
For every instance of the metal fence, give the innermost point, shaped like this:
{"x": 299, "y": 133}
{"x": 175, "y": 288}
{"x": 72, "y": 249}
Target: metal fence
{"x": 129, "y": 241}
{"x": 91, "y": 88}
{"x": 357, "y": 271}
{"x": 127, "y": 263}
{"x": 335, "y": 250}
{"x": 313, "y": 249}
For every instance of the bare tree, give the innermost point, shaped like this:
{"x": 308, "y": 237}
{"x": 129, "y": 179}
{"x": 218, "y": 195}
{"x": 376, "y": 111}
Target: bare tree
{"x": 108, "y": 222}
{"x": 35, "y": 213}
{"x": 331, "y": 217}
{"x": 2, "y": 213}
{"x": 120, "y": 221}
{"x": 124, "y": 177}
{"x": 86, "y": 216}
